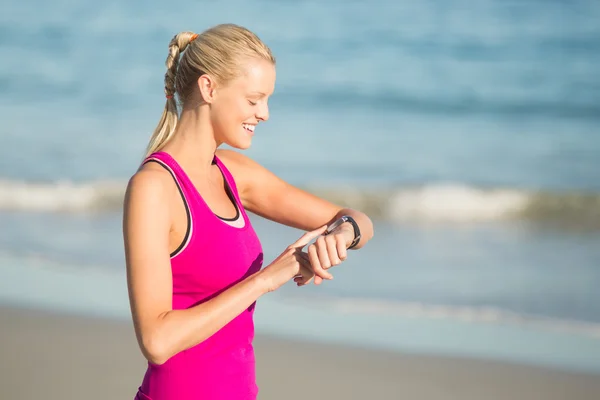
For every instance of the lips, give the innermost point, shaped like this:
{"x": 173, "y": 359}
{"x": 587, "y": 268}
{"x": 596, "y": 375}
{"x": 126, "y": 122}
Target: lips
{"x": 249, "y": 128}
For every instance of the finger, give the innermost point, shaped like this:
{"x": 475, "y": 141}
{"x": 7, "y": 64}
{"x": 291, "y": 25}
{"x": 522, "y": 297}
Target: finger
{"x": 308, "y": 265}
{"x": 305, "y": 280}
{"x": 306, "y": 275}
{"x": 308, "y": 236}
{"x": 323, "y": 255}
{"x": 332, "y": 250}
{"x": 315, "y": 260}
{"x": 341, "y": 248}
{"x": 316, "y": 263}
{"x": 303, "y": 260}
{"x": 313, "y": 257}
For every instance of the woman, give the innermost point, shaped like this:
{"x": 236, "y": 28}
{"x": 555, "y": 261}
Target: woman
{"x": 194, "y": 263}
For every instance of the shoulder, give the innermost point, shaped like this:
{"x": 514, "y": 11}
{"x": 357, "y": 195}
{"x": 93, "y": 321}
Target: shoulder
{"x": 258, "y": 187}
{"x": 151, "y": 185}
{"x": 244, "y": 169}
{"x": 234, "y": 159}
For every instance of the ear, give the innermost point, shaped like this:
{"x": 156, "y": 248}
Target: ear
{"x": 207, "y": 86}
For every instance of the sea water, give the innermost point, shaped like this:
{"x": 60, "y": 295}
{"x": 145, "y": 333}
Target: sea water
{"x": 468, "y": 131}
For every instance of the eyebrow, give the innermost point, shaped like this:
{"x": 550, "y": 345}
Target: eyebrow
{"x": 258, "y": 93}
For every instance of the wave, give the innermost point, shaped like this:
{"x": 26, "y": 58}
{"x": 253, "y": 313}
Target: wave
{"x": 451, "y": 202}
{"x": 468, "y": 314}
{"x": 61, "y": 196}
{"x": 458, "y": 104}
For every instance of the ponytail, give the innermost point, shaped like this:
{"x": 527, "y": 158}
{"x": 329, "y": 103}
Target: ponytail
{"x": 168, "y": 122}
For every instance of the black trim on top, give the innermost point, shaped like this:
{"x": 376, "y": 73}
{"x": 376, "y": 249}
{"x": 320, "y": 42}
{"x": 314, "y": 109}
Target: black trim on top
{"x": 231, "y": 197}
{"x": 185, "y": 203}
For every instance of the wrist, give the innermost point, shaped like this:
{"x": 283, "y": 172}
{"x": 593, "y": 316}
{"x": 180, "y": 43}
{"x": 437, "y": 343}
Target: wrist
{"x": 261, "y": 284}
{"x": 348, "y": 231}
{"x": 347, "y": 220}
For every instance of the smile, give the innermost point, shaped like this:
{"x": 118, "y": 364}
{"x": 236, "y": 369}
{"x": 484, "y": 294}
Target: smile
{"x": 249, "y": 128}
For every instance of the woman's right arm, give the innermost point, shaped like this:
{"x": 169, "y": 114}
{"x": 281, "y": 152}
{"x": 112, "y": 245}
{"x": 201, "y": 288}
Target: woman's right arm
{"x": 161, "y": 331}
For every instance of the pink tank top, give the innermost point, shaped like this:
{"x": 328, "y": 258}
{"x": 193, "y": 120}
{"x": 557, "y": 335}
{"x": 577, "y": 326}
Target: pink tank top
{"x": 213, "y": 256}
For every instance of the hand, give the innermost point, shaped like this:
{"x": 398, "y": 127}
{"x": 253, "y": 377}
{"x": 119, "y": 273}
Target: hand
{"x": 326, "y": 252}
{"x": 291, "y": 263}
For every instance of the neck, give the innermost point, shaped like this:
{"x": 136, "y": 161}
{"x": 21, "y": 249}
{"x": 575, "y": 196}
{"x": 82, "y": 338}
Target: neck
{"x": 194, "y": 143}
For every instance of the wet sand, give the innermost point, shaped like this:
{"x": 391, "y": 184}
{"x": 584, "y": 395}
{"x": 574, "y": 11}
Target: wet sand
{"x": 57, "y": 356}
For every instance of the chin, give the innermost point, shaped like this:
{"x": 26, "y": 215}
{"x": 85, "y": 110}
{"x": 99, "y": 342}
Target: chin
{"x": 241, "y": 144}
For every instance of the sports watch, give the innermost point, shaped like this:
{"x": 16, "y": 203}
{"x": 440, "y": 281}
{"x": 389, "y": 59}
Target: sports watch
{"x": 340, "y": 221}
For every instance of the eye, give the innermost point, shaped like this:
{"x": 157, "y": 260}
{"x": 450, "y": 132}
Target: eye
{"x": 252, "y": 103}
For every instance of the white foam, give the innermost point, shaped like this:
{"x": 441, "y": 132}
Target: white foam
{"x": 456, "y": 202}
{"x": 62, "y": 196}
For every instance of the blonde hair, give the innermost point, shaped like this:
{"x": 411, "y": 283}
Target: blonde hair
{"x": 217, "y": 52}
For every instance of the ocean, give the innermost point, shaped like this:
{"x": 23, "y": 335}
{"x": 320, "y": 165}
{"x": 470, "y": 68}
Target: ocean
{"x": 469, "y": 131}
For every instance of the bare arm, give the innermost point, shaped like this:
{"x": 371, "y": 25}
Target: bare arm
{"x": 265, "y": 194}
{"x": 160, "y": 330}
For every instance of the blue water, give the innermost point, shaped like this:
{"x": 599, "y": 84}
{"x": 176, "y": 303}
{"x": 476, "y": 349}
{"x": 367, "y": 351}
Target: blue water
{"x": 439, "y": 102}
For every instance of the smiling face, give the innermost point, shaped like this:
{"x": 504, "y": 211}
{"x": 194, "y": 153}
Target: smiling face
{"x": 239, "y": 105}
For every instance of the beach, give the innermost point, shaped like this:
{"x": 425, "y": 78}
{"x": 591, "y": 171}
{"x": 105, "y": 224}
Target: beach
{"x": 468, "y": 131}
{"x": 65, "y": 356}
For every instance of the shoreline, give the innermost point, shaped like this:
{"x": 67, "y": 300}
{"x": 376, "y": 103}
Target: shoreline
{"x": 58, "y": 356}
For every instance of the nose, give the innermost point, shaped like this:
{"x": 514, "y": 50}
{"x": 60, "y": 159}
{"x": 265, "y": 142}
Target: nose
{"x": 262, "y": 113}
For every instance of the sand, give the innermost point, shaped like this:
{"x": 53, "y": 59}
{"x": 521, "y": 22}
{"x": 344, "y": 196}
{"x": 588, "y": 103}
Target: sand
{"x": 56, "y": 356}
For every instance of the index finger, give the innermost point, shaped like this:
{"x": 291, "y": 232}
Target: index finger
{"x": 308, "y": 236}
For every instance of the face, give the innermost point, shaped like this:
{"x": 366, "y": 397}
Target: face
{"x": 241, "y": 104}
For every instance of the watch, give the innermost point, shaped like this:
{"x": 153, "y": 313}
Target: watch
{"x": 340, "y": 221}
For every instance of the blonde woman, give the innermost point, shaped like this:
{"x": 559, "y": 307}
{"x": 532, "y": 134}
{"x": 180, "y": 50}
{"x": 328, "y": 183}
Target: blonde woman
{"x": 194, "y": 262}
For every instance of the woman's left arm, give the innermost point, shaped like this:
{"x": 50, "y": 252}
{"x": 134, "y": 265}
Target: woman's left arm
{"x": 265, "y": 194}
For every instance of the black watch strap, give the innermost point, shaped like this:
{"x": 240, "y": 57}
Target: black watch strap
{"x": 357, "y": 236}
{"x": 351, "y": 221}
